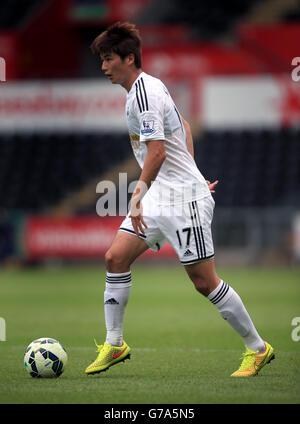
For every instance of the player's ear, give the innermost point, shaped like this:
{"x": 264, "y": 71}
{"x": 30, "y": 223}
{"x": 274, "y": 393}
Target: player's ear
{"x": 130, "y": 59}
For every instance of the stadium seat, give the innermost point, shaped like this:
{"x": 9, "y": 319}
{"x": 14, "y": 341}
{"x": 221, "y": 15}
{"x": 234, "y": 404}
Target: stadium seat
{"x": 254, "y": 167}
{"x": 38, "y": 170}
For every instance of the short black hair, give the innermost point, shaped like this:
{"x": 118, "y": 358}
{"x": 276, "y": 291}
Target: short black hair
{"x": 121, "y": 38}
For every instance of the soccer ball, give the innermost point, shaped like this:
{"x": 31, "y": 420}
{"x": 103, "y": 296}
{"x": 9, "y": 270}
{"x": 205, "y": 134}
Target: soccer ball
{"x": 45, "y": 357}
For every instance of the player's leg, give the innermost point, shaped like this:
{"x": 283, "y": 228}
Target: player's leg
{"x": 227, "y": 301}
{"x": 196, "y": 253}
{"x": 190, "y": 235}
{"x": 204, "y": 276}
{"x": 125, "y": 248}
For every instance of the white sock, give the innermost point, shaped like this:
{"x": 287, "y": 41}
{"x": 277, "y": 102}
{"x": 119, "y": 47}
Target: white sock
{"x": 232, "y": 309}
{"x": 116, "y": 296}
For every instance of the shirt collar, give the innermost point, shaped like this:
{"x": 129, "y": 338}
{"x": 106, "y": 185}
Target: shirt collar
{"x": 134, "y": 82}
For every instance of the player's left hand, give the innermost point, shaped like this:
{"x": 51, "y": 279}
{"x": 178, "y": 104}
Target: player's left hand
{"x": 211, "y": 186}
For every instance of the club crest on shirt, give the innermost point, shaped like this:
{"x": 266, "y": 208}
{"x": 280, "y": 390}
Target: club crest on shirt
{"x": 147, "y": 127}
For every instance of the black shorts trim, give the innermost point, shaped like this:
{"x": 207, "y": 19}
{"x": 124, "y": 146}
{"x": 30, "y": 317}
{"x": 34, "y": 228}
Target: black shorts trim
{"x": 194, "y": 261}
{"x": 132, "y": 232}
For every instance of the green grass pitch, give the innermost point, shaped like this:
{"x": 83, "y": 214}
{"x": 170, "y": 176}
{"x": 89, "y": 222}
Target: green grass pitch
{"x": 183, "y": 352}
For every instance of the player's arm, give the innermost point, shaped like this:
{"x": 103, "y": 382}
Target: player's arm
{"x": 189, "y": 136}
{"x": 190, "y": 147}
{"x": 155, "y": 157}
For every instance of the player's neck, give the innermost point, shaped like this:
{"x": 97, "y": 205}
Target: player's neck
{"x": 133, "y": 76}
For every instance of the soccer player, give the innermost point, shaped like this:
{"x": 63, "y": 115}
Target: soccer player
{"x": 171, "y": 202}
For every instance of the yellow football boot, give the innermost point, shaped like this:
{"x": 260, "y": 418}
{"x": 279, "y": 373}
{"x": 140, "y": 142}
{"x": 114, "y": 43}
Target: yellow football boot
{"x": 108, "y": 355}
{"x": 253, "y": 361}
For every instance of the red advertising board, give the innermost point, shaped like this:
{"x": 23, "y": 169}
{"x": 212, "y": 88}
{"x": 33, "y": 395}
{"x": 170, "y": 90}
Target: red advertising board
{"x": 74, "y": 237}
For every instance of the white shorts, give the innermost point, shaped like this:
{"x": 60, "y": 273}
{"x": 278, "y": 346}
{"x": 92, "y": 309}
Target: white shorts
{"x": 186, "y": 227}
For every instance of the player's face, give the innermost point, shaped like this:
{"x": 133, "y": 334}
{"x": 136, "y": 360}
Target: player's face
{"x": 115, "y": 68}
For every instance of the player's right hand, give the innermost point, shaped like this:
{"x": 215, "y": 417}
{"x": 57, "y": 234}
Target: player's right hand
{"x": 136, "y": 215}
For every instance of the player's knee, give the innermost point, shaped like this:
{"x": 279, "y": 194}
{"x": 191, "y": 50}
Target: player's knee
{"x": 115, "y": 262}
{"x": 204, "y": 277}
{"x": 202, "y": 286}
{"x": 111, "y": 261}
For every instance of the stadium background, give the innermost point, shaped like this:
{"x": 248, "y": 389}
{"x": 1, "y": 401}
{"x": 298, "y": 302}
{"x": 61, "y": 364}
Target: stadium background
{"x": 230, "y": 67}
{"x": 62, "y": 127}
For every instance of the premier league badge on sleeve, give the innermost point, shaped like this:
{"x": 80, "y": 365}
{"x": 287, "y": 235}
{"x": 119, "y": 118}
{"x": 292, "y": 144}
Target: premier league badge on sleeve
{"x": 147, "y": 127}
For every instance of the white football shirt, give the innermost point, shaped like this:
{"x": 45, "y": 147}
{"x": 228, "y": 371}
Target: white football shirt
{"x": 152, "y": 115}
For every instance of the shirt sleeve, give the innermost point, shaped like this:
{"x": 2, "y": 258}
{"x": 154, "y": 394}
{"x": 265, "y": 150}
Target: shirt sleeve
{"x": 150, "y": 107}
{"x": 151, "y": 126}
